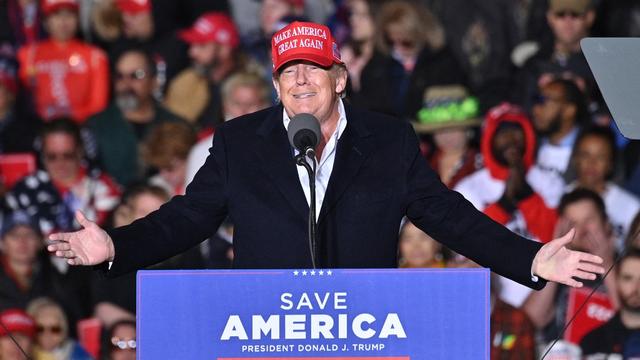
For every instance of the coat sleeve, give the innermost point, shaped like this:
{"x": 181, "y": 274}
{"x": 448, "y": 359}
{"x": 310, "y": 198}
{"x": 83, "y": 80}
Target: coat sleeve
{"x": 179, "y": 224}
{"x": 449, "y": 218}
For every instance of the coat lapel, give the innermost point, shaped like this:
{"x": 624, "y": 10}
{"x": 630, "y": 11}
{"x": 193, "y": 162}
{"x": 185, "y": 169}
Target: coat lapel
{"x": 278, "y": 162}
{"x": 354, "y": 147}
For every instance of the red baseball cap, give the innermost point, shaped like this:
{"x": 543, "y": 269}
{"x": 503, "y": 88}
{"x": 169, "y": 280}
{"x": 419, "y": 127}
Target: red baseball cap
{"x": 304, "y": 41}
{"x": 212, "y": 27}
{"x": 51, "y": 6}
{"x": 17, "y": 321}
{"x": 134, "y": 6}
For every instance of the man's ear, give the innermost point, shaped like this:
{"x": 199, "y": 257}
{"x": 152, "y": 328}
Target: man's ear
{"x": 341, "y": 80}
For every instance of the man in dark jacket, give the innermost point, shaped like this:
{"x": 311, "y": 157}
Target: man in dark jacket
{"x": 370, "y": 175}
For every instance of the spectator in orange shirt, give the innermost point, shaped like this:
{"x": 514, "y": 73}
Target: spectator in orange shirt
{"x": 66, "y": 76}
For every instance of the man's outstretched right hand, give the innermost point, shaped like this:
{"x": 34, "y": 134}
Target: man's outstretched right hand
{"x": 89, "y": 246}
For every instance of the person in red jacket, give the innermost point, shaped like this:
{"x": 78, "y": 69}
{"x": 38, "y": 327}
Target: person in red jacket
{"x": 507, "y": 189}
{"x": 66, "y": 76}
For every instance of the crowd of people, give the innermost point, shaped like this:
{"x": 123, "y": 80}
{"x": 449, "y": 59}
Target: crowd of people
{"x": 111, "y": 107}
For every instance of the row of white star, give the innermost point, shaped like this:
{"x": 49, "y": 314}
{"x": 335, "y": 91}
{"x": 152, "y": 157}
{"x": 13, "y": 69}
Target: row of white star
{"x": 312, "y": 273}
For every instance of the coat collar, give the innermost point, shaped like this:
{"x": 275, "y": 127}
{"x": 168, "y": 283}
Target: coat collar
{"x": 277, "y": 159}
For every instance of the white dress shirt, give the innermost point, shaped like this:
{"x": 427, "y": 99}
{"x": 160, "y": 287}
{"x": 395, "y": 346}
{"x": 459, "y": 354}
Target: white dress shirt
{"x": 325, "y": 165}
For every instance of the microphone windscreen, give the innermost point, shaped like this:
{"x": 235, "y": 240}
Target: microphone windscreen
{"x": 303, "y": 131}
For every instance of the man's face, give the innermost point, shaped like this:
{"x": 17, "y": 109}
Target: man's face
{"x": 243, "y": 100}
{"x": 61, "y": 156}
{"x": 21, "y": 244}
{"x": 591, "y": 229}
{"x": 137, "y": 25}
{"x": 203, "y": 54}
{"x": 593, "y": 161}
{"x": 62, "y": 24}
{"x": 9, "y": 350}
{"x": 547, "y": 114}
{"x": 628, "y": 281}
{"x": 304, "y": 87}
{"x": 133, "y": 81}
{"x": 508, "y": 145}
{"x": 569, "y": 27}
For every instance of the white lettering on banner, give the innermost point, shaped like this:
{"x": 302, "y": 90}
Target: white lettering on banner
{"x": 320, "y": 326}
{"x": 313, "y": 326}
{"x": 311, "y": 43}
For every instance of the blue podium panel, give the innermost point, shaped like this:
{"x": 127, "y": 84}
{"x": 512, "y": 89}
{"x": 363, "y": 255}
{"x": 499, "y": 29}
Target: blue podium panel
{"x": 314, "y": 314}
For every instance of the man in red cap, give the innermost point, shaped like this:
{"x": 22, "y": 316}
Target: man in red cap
{"x": 370, "y": 175}
{"x": 66, "y": 76}
{"x": 23, "y": 329}
{"x": 213, "y": 48}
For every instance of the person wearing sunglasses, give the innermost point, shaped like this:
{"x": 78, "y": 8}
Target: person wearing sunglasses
{"x": 121, "y": 341}
{"x": 410, "y": 55}
{"x": 64, "y": 184}
{"x": 570, "y": 21}
{"x": 52, "y": 332}
{"x": 122, "y": 126}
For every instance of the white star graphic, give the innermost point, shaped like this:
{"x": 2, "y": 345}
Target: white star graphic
{"x": 313, "y": 272}
{"x": 321, "y": 272}
{"x": 304, "y": 273}
{"x": 295, "y": 273}
{"x": 329, "y": 272}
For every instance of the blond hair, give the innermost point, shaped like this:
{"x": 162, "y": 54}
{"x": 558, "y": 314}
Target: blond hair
{"x": 416, "y": 20}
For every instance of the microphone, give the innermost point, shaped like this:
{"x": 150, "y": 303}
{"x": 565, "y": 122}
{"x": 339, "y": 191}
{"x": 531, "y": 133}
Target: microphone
{"x": 304, "y": 135}
{"x": 304, "y": 132}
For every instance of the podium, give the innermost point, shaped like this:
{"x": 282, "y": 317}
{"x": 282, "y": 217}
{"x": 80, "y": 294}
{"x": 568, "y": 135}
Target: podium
{"x": 356, "y": 314}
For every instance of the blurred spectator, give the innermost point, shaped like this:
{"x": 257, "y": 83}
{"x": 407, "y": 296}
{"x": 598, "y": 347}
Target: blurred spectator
{"x": 27, "y": 273}
{"x": 121, "y": 341}
{"x": 512, "y": 333}
{"x": 621, "y": 334}
{"x": 594, "y": 158}
{"x": 558, "y": 116}
{"x": 22, "y": 22}
{"x": 241, "y": 93}
{"x": 214, "y": 50}
{"x": 417, "y": 249}
{"x": 584, "y": 211}
{"x": 273, "y": 15}
{"x": 166, "y": 149}
{"x": 482, "y": 37}
{"x": 17, "y": 129}
{"x": 22, "y": 328}
{"x": 410, "y": 55}
{"x": 64, "y": 185}
{"x": 66, "y": 76}
{"x": 570, "y": 21}
{"x": 143, "y": 32}
{"x": 504, "y": 189}
{"x": 358, "y": 49}
{"x": 449, "y": 114}
{"x": 52, "y": 329}
{"x": 115, "y": 298}
{"x": 633, "y": 239}
{"x": 120, "y": 128}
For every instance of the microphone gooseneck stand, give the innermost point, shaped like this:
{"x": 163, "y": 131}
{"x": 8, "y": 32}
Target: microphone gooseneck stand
{"x": 311, "y": 170}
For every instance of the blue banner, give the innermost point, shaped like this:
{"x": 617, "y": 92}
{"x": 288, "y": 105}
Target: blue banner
{"x": 314, "y": 314}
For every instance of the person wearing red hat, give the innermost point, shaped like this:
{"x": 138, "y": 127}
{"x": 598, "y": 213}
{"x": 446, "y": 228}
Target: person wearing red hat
{"x": 370, "y": 175}
{"x": 214, "y": 51}
{"x": 66, "y": 76}
{"x": 17, "y": 324}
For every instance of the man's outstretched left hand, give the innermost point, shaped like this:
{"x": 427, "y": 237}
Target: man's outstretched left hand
{"x": 555, "y": 262}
